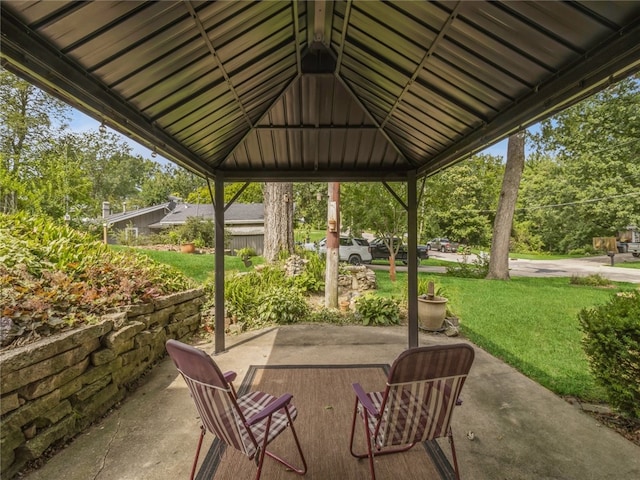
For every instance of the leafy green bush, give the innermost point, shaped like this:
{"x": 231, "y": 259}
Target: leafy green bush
{"x": 246, "y": 252}
{"x": 331, "y": 315}
{"x": 593, "y": 280}
{"x": 477, "y": 268}
{"x": 199, "y": 231}
{"x": 53, "y": 277}
{"x": 281, "y": 305}
{"x": 242, "y": 291}
{"x": 612, "y": 344}
{"x": 375, "y": 310}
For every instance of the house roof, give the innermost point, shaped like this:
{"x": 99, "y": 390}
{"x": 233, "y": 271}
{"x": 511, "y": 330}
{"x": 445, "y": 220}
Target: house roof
{"x": 237, "y": 214}
{"x": 324, "y": 90}
{"x": 131, "y": 214}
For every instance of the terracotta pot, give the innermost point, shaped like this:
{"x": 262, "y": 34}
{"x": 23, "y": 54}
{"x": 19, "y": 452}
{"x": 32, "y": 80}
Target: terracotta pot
{"x": 431, "y": 313}
{"x": 187, "y": 248}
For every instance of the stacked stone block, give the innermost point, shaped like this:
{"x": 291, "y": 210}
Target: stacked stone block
{"x": 53, "y": 389}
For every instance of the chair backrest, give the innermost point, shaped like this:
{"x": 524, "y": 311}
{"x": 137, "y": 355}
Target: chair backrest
{"x": 212, "y": 395}
{"x": 422, "y": 389}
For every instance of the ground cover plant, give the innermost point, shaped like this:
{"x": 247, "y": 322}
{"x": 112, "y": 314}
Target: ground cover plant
{"x": 53, "y": 278}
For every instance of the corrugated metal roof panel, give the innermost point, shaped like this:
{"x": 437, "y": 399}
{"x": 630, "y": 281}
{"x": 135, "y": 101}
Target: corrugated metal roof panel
{"x": 366, "y": 89}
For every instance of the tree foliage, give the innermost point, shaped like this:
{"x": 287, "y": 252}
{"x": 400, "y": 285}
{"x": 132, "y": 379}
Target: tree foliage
{"x": 28, "y": 120}
{"x": 584, "y": 179}
{"x": 460, "y": 202}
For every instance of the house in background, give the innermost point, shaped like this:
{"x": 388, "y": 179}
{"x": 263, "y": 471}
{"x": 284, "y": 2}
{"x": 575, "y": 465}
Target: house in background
{"x": 133, "y": 222}
{"x": 245, "y": 222}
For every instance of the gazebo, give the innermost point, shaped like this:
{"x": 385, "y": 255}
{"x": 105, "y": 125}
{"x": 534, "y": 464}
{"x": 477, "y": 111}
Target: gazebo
{"x": 319, "y": 90}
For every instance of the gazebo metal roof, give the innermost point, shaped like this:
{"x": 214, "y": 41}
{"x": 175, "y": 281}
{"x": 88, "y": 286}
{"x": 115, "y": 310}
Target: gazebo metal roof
{"x": 319, "y": 91}
{"x": 298, "y": 90}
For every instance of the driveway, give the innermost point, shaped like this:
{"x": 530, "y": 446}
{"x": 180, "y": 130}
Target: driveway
{"x": 600, "y": 265}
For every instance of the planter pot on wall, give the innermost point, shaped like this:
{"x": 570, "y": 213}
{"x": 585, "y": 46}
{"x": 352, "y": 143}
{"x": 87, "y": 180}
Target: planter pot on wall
{"x": 432, "y": 312}
{"x": 187, "y": 248}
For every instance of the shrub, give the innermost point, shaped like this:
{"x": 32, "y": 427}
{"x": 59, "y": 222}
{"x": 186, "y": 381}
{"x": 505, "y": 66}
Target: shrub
{"x": 331, "y": 315}
{"x": 593, "y": 280}
{"x": 612, "y": 344}
{"x": 281, "y": 305}
{"x": 246, "y": 252}
{"x": 243, "y": 292}
{"x": 375, "y": 310}
{"x": 478, "y": 268}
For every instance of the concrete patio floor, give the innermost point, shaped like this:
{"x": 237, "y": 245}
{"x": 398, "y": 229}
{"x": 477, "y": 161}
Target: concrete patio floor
{"x": 521, "y": 430}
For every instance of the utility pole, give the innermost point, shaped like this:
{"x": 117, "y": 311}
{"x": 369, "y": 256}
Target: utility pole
{"x": 333, "y": 246}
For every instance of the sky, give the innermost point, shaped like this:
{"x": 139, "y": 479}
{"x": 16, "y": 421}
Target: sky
{"x": 83, "y": 123}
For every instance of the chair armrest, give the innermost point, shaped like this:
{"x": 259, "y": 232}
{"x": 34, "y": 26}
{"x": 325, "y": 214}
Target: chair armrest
{"x": 230, "y": 376}
{"x": 270, "y": 409}
{"x": 364, "y": 399}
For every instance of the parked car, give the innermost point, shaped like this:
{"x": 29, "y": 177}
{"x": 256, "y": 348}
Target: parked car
{"x": 352, "y": 250}
{"x": 442, "y": 245}
{"x": 380, "y": 251}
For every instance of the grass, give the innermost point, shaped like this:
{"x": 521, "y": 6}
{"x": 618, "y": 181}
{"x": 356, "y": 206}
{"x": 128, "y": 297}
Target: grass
{"x": 197, "y": 266}
{"x": 530, "y": 323}
{"x": 632, "y": 264}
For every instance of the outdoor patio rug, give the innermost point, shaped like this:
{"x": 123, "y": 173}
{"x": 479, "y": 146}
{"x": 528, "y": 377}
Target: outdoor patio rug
{"x": 324, "y": 398}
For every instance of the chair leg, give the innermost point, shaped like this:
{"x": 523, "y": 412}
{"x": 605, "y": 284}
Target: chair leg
{"x": 299, "y": 471}
{"x": 367, "y": 434}
{"x": 453, "y": 453}
{"x": 264, "y": 451}
{"x": 195, "y": 460}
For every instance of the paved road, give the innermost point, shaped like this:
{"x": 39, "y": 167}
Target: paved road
{"x": 554, "y": 268}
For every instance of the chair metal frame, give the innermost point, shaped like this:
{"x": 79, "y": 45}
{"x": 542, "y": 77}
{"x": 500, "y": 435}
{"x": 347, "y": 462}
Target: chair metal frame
{"x": 249, "y": 418}
{"x": 423, "y": 386}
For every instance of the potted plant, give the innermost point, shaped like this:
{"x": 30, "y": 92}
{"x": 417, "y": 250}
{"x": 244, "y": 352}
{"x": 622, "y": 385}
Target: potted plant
{"x": 245, "y": 254}
{"x": 432, "y": 310}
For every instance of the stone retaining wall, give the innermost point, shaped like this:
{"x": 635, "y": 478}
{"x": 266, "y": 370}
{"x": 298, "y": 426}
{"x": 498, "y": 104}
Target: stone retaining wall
{"x": 53, "y": 389}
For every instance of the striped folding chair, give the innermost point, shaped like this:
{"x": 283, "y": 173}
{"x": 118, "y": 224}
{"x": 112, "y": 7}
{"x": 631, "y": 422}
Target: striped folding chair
{"x": 248, "y": 422}
{"x": 422, "y": 389}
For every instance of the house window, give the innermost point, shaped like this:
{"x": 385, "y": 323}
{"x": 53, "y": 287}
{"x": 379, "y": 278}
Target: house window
{"x": 130, "y": 233}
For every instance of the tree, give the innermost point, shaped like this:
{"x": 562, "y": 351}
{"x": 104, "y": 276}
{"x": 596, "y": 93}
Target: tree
{"x": 60, "y": 186}
{"x": 369, "y": 206}
{"x": 460, "y": 201}
{"x": 252, "y": 194}
{"x": 311, "y": 205}
{"x": 499, "y": 259}
{"x": 585, "y": 181}
{"x": 278, "y": 219}
{"x": 30, "y": 122}
{"x": 163, "y": 181}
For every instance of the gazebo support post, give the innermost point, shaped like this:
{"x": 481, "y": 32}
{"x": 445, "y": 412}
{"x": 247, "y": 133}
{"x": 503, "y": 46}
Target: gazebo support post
{"x": 218, "y": 208}
{"x": 412, "y": 257}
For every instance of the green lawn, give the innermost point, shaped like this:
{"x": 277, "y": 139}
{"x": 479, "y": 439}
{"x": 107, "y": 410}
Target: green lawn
{"x": 530, "y": 323}
{"x": 197, "y": 266}
{"x": 633, "y": 264}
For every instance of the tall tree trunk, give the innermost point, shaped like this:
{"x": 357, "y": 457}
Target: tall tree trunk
{"x": 278, "y": 219}
{"x": 499, "y": 260}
